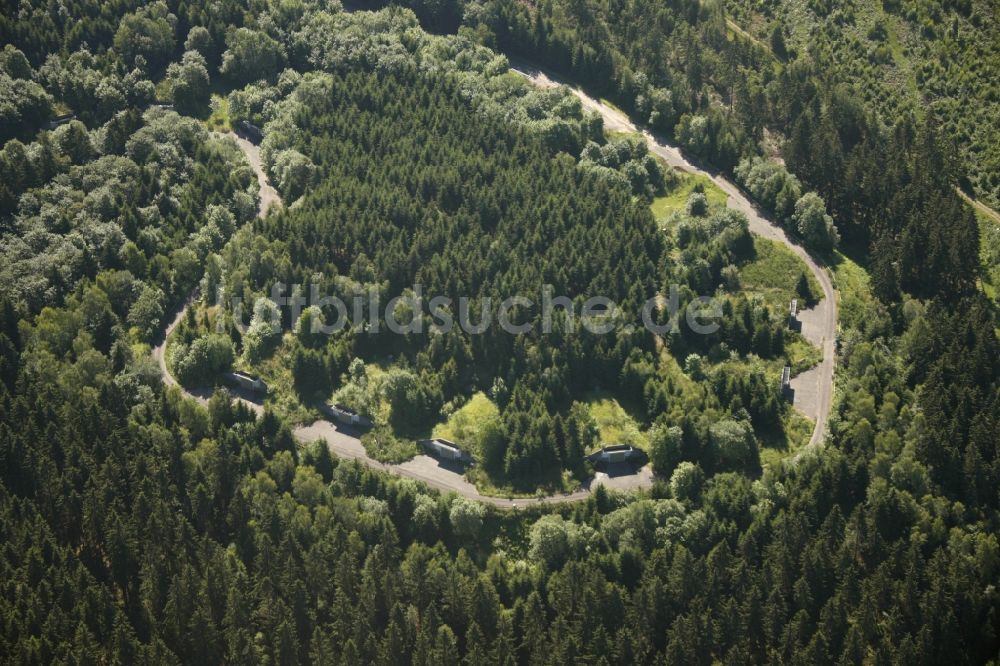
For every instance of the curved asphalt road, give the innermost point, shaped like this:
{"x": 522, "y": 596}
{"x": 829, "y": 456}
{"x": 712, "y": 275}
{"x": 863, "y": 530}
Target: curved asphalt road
{"x": 440, "y": 475}
{"x": 345, "y": 442}
{"x": 819, "y": 324}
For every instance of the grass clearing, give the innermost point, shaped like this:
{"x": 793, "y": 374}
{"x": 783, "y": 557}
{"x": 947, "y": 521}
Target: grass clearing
{"x": 618, "y": 135}
{"x": 385, "y": 447}
{"x": 671, "y": 368}
{"x": 276, "y": 371}
{"x": 802, "y": 354}
{"x": 898, "y": 54}
{"x": 614, "y": 424}
{"x": 676, "y": 200}
{"x": 774, "y": 273}
{"x": 462, "y": 427}
{"x": 609, "y": 103}
{"x": 854, "y": 286}
{"x": 776, "y": 447}
{"x": 219, "y": 120}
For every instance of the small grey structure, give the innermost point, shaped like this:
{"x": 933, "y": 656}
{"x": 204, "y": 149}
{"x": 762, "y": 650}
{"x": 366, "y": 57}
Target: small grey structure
{"x": 443, "y": 448}
{"x": 615, "y": 453}
{"x": 59, "y": 120}
{"x": 246, "y": 381}
{"x": 349, "y": 416}
{"x": 793, "y": 309}
{"x": 786, "y": 379}
{"x": 249, "y": 131}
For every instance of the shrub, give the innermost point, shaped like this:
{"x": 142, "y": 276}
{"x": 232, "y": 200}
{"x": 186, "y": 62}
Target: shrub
{"x": 686, "y": 481}
{"x": 201, "y": 363}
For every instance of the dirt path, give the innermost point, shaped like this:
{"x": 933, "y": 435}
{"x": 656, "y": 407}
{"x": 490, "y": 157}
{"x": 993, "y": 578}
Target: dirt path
{"x": 160, "y": 350}
{"x": 815, "y": 386}
{"x": 980, "y": 206}
{"x": 269, "y": 196}
{"x": 735, "y": 27}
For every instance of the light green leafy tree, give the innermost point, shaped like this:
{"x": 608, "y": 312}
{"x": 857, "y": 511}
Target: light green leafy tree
{"x": 200, "y": 363}
{"x": 251, "y": 55}
{"x": 466, "y": 517}
{"x": 665, "y": 447}
{"x": 149, "y": 33}
{"x": 686, "y": 481}
{"x": 734, "y": 442}
{"x": 189, "y": 82}
{"x": 147, "y": 312}
{"x": 813, "y": 222}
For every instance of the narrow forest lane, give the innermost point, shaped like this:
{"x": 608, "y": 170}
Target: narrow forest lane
{"x": 160, "y": 350}
{"x": 979, "y": 205}
{"x": 816, "y": 383}
{"x": 268, "y": 198}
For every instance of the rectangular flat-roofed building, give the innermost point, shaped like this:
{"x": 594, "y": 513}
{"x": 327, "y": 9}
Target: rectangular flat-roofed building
{"x": 246, "y": 381}
{"x": 348, "y": 416}
{"x": 59, "y": 120}
{"x": 250, "y": 132}
{"x": 443, "y": 448}
{"x": 615, "y": 453}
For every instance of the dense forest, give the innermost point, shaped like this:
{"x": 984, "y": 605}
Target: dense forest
{"x": 933, "y": 59}
{"x": 682, "y": 70}
{"x": 141, "y": 526}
